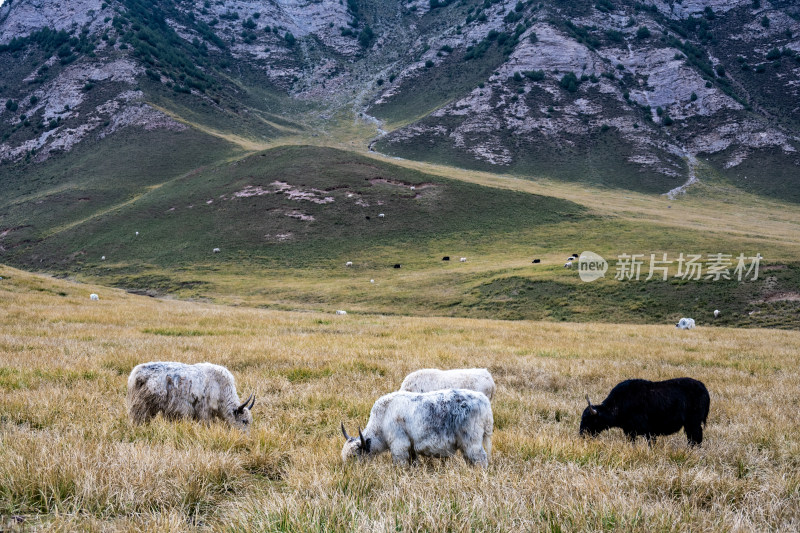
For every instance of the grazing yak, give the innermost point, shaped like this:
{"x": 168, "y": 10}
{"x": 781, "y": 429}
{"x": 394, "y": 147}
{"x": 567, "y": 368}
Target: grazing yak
{"x": 431, "y": 379}
{"x": 650, "y": 409}
{"x": 431, "y": 424}
{"x": 685, "y": 323}
{"x": 202, "y": 392}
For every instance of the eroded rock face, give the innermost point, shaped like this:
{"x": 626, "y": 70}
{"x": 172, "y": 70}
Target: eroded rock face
{"x": 661, "y": 106}
{"x": 643, "y": 87}
{"x": 22, "y": 17}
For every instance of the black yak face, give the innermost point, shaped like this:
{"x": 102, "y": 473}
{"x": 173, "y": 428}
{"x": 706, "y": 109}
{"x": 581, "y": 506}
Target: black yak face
{"x": 594, "y": 420}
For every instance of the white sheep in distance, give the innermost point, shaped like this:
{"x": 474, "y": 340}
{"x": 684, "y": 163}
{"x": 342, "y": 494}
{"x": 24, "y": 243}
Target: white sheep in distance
{"x": 431, "y": 379}
{"x": 716, "y": 313}
{"x": 94, "y": 297}
{"x": 568, "y": 264}
{"x": 463, "y": 259}
{"x": 685, "y": 323}
{"x": 348, "y": 264}
{"x": 431, "y": 424}
{"x": 341, "y": 312}
{"x": 201, "y": 392}
{"x": 216, "y": 250}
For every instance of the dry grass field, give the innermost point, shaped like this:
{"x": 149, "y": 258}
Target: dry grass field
{"x": 71, "y": 460}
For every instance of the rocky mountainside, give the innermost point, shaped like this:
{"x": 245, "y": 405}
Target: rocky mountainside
{"x": 637, "y": 95}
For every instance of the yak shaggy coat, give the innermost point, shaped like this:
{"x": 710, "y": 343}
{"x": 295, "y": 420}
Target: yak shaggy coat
{"x": 434, "y": 424}
{"x": 650, "y": 409}
{"x": 202, "y": 392}
{"x": 431, "y": 379}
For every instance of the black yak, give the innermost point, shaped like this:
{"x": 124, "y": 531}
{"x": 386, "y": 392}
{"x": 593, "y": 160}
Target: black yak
{"x": 651, "y": 408}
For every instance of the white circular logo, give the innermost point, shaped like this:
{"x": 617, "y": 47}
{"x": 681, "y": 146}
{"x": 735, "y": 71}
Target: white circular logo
{"x": 591, "y": 266}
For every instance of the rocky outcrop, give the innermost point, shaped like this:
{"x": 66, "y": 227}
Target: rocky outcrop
{"x": 663, "y": 81}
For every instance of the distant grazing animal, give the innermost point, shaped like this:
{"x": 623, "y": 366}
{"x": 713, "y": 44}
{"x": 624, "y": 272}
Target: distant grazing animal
{"x": 381, "y": 215}
{"x": 413, "y": 188}
{"x": 432, "y": 424}
{"x": 341, "y": 312}
{"x": 446, "y": 258}
{"x": 650, "y": 409}
{"x": 372, "y": 281}
{"x": 397, "y": 265}
{"x": 536, "y": 261}
{"x": 716, "y": 313}
{"x": 137, "y": 233}
{"x": 431, "y": 379}
{"x": 568, "y": 264}
{"x": 216, "y": 250}
{"x": 177, "y": 390}
{"x": 685, "y": 323}
{"x": 367, "y": 217}
{"x": 103, "y": 258}
{"x": 463, "y": 259}
{"x": 348, "y": 264}
{"x": 575, "y": 255}
{"x": 94, "y": 297}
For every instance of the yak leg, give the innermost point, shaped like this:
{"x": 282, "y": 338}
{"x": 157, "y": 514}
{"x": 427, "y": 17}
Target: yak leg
{"x": 694, "y": 433}
{"x": 402, "y": 451}
{"x": 476, "y": 455}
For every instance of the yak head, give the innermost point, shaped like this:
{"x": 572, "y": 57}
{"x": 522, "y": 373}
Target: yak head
{"x": 242, "y": 418}
{"x": 355, "y": 446}
{"x": 595, "y": 419}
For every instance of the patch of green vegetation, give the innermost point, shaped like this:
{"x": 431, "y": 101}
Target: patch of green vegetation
{"x": 15, "y": 379}
{"x": 767, "y": 171}
{"x": 175, "y": 332}
{"x": 304, "y": 374}
{"x": 253, "y": 210}
{"x": 41, "y": 199}
{"x": 434, "y": 87}
{"x": 583, "y": 34}
{"x": 145, "y": 29}
{"x": 745, "y": 304}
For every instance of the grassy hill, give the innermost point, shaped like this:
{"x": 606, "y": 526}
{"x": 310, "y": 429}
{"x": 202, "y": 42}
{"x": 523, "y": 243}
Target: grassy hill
{"x": 70, "y": 459}
{"x": 294, "y": 206}
{"x": 287, "y": 220}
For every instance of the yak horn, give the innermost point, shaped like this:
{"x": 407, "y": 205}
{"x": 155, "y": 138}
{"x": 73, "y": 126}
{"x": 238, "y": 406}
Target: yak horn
{"x": 252, "y": 403}
{"x": 360, "y": 436}
{"x": 591, "y": 407}
{"x": 245, "y": 403}
{"x": 346, "y": 436}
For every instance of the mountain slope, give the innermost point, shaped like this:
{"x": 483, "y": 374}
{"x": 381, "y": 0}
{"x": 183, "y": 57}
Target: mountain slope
{"x": 619, "y": 93}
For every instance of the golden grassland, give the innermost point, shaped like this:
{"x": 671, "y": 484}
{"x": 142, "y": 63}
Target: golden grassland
{"x": 70, "y": 459}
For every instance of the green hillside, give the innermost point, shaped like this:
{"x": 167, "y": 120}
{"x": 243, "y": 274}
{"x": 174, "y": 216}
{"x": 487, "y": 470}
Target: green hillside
{"x": 286, "y": 220}
{"x": 292, "y": 207}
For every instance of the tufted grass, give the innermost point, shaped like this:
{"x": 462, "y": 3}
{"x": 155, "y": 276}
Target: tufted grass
{"x": 70, "y": 459}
